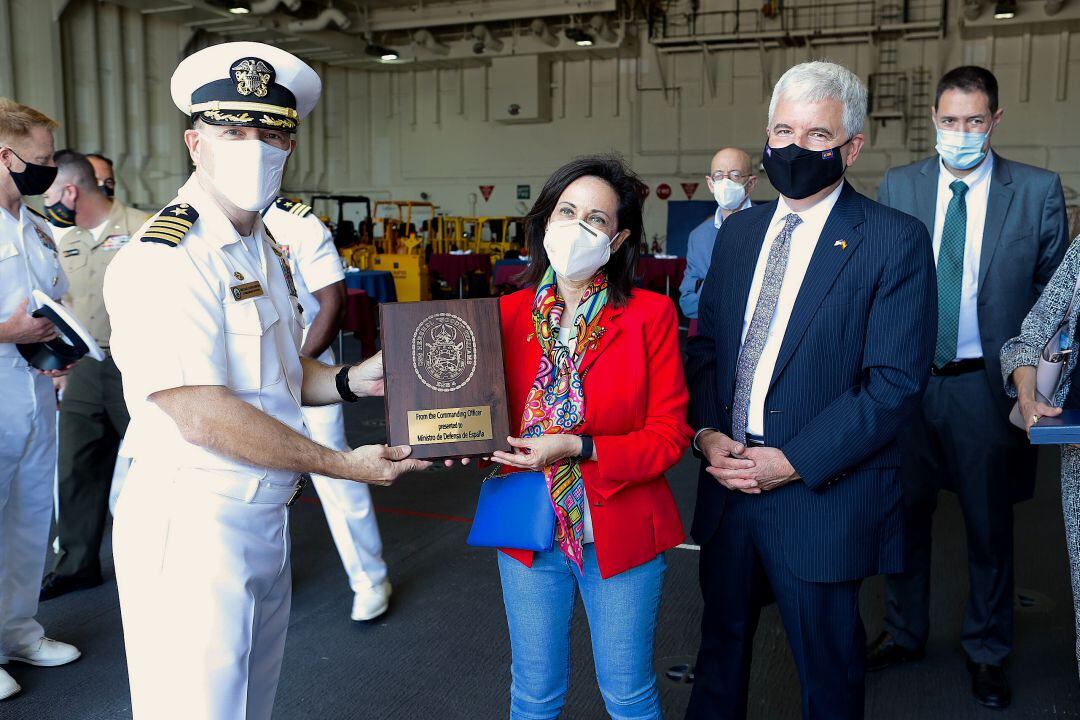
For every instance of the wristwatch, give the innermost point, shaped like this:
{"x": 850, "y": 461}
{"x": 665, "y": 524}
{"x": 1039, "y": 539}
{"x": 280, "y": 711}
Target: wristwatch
{"x": 586, "y": 447}
{"x": 342, "y": 382}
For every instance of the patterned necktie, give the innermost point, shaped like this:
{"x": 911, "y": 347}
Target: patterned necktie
{"x": 758, "y": 332}
{"x": 950, "y": 274}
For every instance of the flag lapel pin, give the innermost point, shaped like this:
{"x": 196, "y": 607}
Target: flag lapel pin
{"x": 842, "y": 244}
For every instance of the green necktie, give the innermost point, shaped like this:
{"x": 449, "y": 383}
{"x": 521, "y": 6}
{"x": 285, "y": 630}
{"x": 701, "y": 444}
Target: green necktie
{"x": 950, "y": 274}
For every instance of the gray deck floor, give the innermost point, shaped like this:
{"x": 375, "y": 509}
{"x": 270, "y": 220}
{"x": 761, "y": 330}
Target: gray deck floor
{"x": 442, "y": 651}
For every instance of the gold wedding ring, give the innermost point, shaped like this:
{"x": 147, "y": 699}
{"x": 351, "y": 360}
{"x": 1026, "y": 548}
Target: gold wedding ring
{"x": 1034, "y": 419}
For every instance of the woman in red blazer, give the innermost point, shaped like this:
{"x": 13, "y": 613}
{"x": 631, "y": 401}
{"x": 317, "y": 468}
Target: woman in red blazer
{"x": 598, "y": 403}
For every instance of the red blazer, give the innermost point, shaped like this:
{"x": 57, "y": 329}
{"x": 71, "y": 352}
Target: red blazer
{"x": 635, "y": 411}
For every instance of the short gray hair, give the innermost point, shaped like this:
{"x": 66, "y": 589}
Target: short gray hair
{"x": 822, "y": 80}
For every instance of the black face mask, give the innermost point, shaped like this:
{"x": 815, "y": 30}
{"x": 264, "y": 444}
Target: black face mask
{"x": 60, "y": 214}
{"x": 34, "y": 179}
{"x": 798, "y": 173}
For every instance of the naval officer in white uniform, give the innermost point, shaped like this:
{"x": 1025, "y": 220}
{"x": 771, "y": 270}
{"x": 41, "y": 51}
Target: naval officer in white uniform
{"x": 320, "y": 284}
{"x": 206, "y": 332}
{"x": 28, "y": 262}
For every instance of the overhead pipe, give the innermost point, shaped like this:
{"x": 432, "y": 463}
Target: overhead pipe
{"x": 262, "y": 7}
{"x": 485, "y": 39}
{"x": 329, "y": 16}
{"x": 600, "y": 27}
{"x": 429, "y": 42}
{"x": 542, "y": 32}
{"x": 973, "y": 9}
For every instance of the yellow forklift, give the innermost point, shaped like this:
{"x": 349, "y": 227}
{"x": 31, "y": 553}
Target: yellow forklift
{"x": 401, "y": 232}
{"x": 351, "y": 225}
{"x": 494, "y": 236}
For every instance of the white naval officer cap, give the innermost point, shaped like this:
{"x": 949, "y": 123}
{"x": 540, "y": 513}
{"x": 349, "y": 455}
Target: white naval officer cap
{"x": 248, "y": 84}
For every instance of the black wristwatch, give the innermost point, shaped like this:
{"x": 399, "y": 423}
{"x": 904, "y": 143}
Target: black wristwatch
{"x": 586, "y": 447}
{"x": 342, "y": 381}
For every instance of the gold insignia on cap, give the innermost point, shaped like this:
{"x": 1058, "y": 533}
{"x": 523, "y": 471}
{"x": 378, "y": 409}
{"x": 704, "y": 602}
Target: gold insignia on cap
{"x": 227, "y": 117}
{"x": 278, "y": 122}
{"x": 252, "y": 76}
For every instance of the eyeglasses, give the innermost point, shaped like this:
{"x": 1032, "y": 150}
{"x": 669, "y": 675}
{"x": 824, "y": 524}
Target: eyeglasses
{"x": 734, "y": 175}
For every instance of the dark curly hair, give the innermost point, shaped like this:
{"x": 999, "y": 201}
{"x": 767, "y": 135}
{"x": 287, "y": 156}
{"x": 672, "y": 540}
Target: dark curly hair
{"x": 630, "y": 190}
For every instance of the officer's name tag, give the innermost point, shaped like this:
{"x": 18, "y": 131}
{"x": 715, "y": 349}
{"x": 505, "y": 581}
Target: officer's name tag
{"x": 247, "y": 290}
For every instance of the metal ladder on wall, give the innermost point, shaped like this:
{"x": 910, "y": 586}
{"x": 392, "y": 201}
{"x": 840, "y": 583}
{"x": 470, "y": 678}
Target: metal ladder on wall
{"x": 918, "y": 128}
{"x": 889, "y": 85}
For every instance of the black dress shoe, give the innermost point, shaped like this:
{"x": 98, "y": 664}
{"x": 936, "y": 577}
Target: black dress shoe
{"x": 885, "y": 652}
{"x": 54, "y": 585}
{"x": 990, "y": 685}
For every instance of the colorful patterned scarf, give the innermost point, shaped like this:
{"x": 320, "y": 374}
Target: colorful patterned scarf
{"x": 556, "y": 403}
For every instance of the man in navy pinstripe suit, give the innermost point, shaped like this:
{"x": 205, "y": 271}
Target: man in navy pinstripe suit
{"x": 817, "y": 325}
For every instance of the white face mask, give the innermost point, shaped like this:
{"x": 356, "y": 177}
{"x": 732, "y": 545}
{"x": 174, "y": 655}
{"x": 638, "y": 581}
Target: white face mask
{"x": 575, "y": 249}
{"x": 247, "y": 172}
{"x": 728, "y": 193}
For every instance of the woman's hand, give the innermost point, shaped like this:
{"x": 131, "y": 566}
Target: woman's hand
{"x": 1032, "y": 409}
{"x": 536, "y": 453}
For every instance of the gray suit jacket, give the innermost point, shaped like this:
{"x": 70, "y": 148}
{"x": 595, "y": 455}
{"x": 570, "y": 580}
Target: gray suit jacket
{"x": 1024, "y": 238}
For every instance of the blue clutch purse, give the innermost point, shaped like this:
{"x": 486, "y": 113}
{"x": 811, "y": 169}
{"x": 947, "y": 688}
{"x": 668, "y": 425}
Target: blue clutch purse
{"x": 514, "y": 511}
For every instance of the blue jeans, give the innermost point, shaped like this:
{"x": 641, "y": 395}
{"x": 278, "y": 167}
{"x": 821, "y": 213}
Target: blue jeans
{"x": 622, "y": 613}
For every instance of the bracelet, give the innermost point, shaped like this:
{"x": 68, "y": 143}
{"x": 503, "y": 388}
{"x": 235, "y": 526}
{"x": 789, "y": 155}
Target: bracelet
{"x": 586, "y": 447}
{"x": 342, "y": 382}
{"x": 697, "y": 435}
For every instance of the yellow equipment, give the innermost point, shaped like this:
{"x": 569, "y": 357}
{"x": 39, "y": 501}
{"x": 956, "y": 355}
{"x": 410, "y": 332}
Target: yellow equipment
{"x": 491, "y": 235}
{"x": 410, "y": 274}
{"x": 399, "y": 225}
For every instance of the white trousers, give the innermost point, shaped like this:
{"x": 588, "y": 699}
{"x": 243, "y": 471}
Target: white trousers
{"x": 347, "y": 505}
{"x": 27, "y": 469}
{"x": 205, "y": 589}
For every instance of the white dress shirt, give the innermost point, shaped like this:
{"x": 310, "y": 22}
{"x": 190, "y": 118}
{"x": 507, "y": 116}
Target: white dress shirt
{"x": 803, "y": 241}
{"x": 177, "y": 323}
{"x": 968, "y": 341}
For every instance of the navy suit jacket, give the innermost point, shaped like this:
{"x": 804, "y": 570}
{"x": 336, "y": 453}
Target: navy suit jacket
{"x": 852, "y": 367}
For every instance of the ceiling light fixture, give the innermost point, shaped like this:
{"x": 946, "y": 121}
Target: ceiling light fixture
{"x": 579, "y": 36}
{"x": 1005, "y": 10}
{"x": 384, "y": 54}
{"x": 240, "y": 8}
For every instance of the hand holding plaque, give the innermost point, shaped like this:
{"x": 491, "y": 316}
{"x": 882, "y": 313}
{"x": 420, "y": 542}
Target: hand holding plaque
{"x": 445, "y": 385}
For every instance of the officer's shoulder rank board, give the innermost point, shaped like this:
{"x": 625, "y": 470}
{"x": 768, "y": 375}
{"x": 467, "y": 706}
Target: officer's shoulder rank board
{"x": 295, "y": 208}
{"x": 171, "y": 225}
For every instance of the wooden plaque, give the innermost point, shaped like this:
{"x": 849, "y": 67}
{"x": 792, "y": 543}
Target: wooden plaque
{"x": 445, "y": 386}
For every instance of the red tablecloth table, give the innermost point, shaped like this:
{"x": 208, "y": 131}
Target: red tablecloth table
{"x": 453, "y": 267}
{"x": 507, "y": 271}
{"x": 660, "y": 274}
{"x": 360, "y": 320}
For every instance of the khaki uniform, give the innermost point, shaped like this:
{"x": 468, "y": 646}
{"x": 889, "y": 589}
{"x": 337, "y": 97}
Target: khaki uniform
{"x": 93, "y": 416}
{"x": 84, "y": 260}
